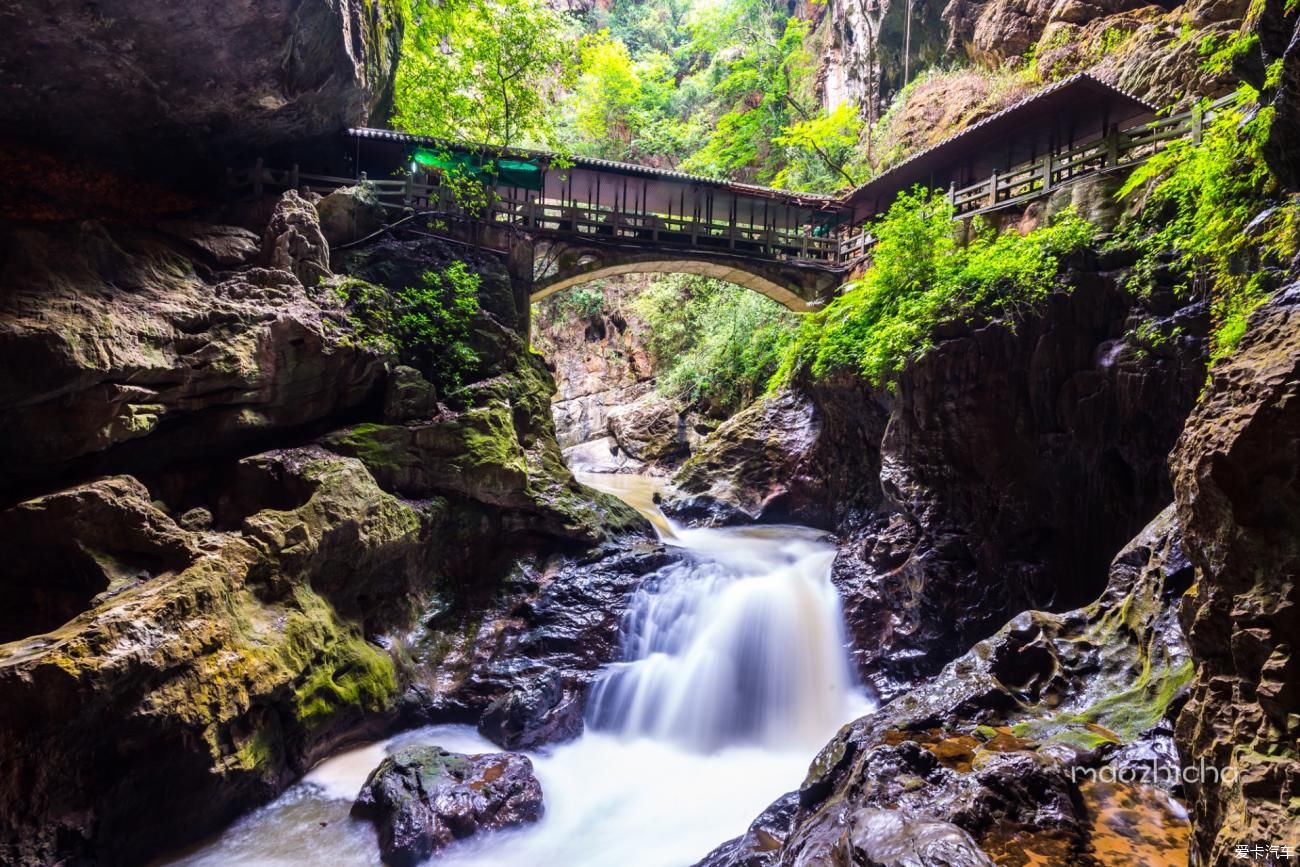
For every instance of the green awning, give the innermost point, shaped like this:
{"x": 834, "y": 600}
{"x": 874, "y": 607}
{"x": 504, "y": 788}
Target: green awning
{"x": 483, "y": 168}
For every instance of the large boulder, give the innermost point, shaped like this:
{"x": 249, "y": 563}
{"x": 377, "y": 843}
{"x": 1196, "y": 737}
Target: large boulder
{"x": 168, "y": 679}
{"x": 1237, "y": 483}
{"x": 423, "y": 799}
{"x": 165, "y": 86}
{"x": 351, "y": 213}
{"x": 651, "y": 428}
{"x": 293, "y": 240}
{"x": 767, "y": 462}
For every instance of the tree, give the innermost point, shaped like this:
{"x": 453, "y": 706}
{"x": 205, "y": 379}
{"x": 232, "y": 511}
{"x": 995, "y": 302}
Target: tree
{"x": 487, "y": 71}
{"x": 607, "y": 97}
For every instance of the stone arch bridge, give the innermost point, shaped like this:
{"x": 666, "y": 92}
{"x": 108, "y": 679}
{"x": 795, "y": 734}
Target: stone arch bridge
{"x": 569, "y": 220}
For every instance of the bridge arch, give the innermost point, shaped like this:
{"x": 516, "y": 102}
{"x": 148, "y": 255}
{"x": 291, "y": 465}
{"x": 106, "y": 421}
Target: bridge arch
{"x": 800, "y": 289}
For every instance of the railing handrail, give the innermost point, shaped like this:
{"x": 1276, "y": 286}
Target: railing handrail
{"x": 592, "y": 221}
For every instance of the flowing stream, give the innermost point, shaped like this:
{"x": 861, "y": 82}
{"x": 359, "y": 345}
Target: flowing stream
{"x": 734, "y": 674}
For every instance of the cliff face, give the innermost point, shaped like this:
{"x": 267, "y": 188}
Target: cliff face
{"x": 598, "y": 354}
{"x": 1151, "y": 51}
{"x": 1002, "y": 474}
{"x": 227, "y": 513}
{"x": 608, "y": 415}
{"x": 1237, "y": 479}
{"x": 159, "y": 86}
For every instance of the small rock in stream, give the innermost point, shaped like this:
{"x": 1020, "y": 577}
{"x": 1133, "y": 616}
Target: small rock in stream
{"x": 424, "y": 798}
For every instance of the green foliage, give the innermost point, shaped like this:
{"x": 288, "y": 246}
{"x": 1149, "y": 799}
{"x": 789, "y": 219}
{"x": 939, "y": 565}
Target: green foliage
{"x": 1198, "y": 200}
{"x": 714, "y": 344}
{"x": 921, "y": 277}
{"x": 818, "y": 149}
{"x": 486, "y": 71}
{"x": 426, "y": 326}
{"x": 580, "y": 302}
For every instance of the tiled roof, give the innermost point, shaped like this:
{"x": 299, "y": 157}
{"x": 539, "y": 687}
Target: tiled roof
{"x": 812, "y": 199}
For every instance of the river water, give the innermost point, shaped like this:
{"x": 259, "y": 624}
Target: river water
{"x": 734, "y": 673}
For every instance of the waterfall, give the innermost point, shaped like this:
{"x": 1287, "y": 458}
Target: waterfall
{"x": 734, "y": 674}
{"x": 740, "y": 643}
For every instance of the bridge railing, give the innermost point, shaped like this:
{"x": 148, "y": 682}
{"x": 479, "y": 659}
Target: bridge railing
{"x": 1037, "y": 178}
{"x": 1119, "y": 149}
{"x": 598, "y": 223}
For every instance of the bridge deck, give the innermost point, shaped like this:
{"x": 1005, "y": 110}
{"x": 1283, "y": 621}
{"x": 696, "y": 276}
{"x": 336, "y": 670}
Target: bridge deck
{"x": 660, "y": 210}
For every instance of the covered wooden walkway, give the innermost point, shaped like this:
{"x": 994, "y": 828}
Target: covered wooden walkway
{"x": 611, "y": 217}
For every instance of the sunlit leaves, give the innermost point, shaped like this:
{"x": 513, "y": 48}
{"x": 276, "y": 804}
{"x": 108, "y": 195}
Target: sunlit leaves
{"x": 922, "y": 277}
{"x": 487, "y": 71}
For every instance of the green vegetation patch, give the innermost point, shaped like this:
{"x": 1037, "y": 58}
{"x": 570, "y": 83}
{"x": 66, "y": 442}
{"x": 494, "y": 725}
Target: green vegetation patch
{"x": 1117, "y": 718}
{"x": 714, "y": 344}
{"x": 341, "y": 671}
{"x": 1213, "y": 211}
{"x": 426, "y": 326}
{"x": 921, "y": 276}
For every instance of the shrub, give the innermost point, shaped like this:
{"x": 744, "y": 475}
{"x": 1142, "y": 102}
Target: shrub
{"x": 426, "y": 326}
{"x": 714, "y": 344}
{"x": 921, "y": 277}
{"x": 1212, "y": 209}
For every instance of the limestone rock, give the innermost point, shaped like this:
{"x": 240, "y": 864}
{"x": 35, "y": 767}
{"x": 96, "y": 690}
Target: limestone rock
{"x": 409, "y": 396}
{"x": 649, "y": 429}
{"x": 1280, "y": 149}
{"x": 761, "y": 464}
{"x": 423, "y": 799}
{"x": 190, "y": 676}
{"x": 585, "y": 418}
{"x": 1068, "y": 420}
{"x": 350, "y": 213}
{"x": 293, "y": 240}
{"x": 601, "y": 456}
{"x": 116, "y": 352}
{"x": 222, "y": 246}
{"x": 1235, "y": 478}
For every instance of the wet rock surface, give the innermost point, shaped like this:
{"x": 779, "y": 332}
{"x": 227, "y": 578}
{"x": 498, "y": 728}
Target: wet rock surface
{"x": 651, "y": 429}
{"x": 520, "y": 668}
{"x": 788, "y": 457}
{"x": 423, "y": 799}
{"x": 1235, "y": 476}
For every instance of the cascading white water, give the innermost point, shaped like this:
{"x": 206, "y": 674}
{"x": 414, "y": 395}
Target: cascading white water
{"x": 734, "y": 674}
{"x": 740, "y": 643}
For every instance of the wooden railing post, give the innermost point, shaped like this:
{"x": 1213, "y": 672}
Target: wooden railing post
{"x": 993, "y": 189}
{"x": 1198, "y": 123}
{"x": 408, "y": 190}
{"x": 952, "y": 193}
{"x": 1112, "y": 149}
{"x": 1047, "y": 173}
